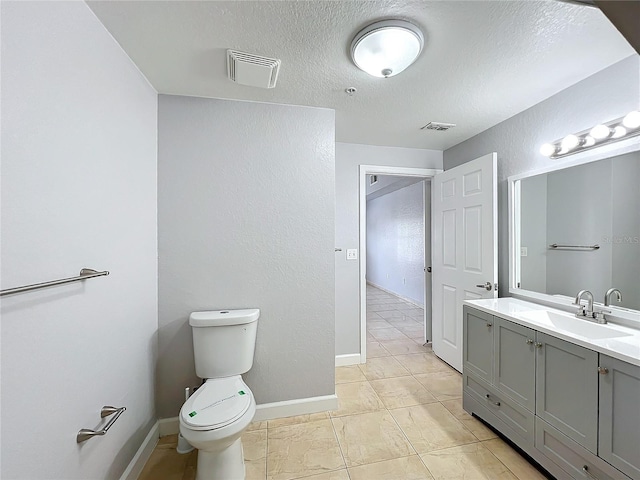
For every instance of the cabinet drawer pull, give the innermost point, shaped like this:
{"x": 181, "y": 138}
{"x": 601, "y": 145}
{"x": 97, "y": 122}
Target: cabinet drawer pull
{"x": 497, "y": 404}
{"x": 585, "y": 469}
{"x": 603, "y": 370}
{"x": 529, "y": 341}
{"x": 539, "y": 345}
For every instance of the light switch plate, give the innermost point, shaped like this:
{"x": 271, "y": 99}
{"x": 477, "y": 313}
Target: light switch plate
{"x": 352, "y": 253}
{"x": 523, "y": 251}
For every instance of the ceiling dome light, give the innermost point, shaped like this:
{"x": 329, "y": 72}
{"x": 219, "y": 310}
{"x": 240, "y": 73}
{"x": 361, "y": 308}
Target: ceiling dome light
{"x": 632, "y": 120}
{"x": 386, "y": 48}
{"x": 600, "y": 132}
{"x": 548, "y": 149}
{"x": 619, "y": 132}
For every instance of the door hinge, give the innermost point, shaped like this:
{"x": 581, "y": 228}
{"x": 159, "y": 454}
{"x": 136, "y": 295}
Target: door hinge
{"x": 495, "y": 287}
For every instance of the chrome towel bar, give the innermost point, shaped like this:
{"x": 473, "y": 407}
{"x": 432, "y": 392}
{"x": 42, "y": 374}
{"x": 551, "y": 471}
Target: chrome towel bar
{"x": 576, "y": 247}
{"x": 85, "y": 273}
{"x": 85, "y": 434}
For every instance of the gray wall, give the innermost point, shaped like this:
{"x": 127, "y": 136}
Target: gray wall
{"x": 533, "y": 234}
{"x": 609, "y": 94}
{"x": 79, "y": 125}
{"x": 349, "y": 157}
{"x": 395, "y": 242}
{"x": 246, "y": 218}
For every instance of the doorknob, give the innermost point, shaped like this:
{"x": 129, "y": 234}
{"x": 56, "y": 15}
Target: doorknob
{"x": 488, "y": 286}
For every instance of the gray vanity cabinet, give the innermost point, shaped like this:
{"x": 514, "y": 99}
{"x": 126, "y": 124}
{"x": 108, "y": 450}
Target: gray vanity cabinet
{"x": 619, "y": 442}
{"x": 478, "y": 343}
{"x": 567, "y": 389}
{"x": 515, "y": 362}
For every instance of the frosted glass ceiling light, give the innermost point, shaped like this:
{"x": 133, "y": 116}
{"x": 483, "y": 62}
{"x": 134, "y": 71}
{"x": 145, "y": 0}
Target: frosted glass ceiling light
{"x": 386, "y": 48}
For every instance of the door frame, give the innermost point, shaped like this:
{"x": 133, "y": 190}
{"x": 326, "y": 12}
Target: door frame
{"x": 426, "y": 173}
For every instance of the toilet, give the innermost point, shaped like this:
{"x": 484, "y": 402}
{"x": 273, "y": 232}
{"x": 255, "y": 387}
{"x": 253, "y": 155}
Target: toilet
{"x": 216, "y": 415}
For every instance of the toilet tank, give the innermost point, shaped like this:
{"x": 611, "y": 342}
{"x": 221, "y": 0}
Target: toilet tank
{"x": 224, "y": 341}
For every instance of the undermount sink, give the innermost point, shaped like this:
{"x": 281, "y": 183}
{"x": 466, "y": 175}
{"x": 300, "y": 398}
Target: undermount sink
{"x": 571, "y": 324}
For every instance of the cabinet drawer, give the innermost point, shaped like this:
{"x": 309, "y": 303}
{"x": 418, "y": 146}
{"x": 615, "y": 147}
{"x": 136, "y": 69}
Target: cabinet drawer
{"x": 515, "y": 416}
{"x": 573, "y": 458}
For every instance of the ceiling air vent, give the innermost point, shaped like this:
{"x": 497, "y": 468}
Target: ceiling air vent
{"x": 252, "y": 70}
{"x": 439, "y": 126}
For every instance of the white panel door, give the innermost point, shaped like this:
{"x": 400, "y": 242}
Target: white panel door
{"x": 464, "y": 248}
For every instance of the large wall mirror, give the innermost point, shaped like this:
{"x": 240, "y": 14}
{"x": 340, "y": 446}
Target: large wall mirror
{"x": 578, "y": 227}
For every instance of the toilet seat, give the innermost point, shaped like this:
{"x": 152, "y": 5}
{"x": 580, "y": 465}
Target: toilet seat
{"x": 216, "y": 404}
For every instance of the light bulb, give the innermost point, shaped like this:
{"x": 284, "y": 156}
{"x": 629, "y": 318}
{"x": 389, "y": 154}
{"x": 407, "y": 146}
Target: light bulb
{"x": 632, "y": 120}
{"x": 619, "y": 132}
{"x": 589, "y": 141}
{"x": 570, "y": 142}
{"x": 548, "y": 149}
{"x": 600, "y": 132}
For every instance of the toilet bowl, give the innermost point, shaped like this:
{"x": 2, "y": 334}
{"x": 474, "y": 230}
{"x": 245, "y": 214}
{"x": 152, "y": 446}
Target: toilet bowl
{"x": 213, "y": 420}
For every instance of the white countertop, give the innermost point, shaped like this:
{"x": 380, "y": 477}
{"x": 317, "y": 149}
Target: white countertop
{"x": 625, "y": 348}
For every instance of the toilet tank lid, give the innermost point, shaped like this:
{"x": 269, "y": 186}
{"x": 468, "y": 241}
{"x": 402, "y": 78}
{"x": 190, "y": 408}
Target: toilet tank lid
{"x": 217, "y": 318}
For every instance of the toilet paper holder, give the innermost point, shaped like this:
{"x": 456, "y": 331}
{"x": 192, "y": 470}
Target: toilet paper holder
{"x": 85, "y": 434}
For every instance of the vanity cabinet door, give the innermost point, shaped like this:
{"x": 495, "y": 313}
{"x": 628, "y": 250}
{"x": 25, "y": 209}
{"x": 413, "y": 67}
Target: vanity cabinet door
{"x": 620, "y": 415}
{"x": 567, "y": 389}
{"x": 478, "y": 344}
{"x": 515, "y": 362}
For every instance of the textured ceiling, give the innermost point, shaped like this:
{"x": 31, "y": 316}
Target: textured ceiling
{"x": 483, "y": 61}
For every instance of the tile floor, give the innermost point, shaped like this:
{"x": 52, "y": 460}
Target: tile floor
{"x": 400, "y": 417}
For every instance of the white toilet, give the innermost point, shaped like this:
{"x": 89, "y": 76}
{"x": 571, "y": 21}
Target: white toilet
{"x": 214, "y": 417}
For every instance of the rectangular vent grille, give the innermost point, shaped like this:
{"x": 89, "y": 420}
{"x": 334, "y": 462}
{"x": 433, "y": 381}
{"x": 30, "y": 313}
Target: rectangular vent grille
{"x": 252, "y": 70}
{"x": 438, "y": 126}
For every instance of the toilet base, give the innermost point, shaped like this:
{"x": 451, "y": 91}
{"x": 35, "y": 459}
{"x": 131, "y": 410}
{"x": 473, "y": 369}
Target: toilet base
{"x": 227, "y": 464}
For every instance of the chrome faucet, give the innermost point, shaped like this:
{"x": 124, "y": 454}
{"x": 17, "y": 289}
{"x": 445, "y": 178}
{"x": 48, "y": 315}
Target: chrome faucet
{"x": 582, "y": 311}
{"x": 607, "y": 296}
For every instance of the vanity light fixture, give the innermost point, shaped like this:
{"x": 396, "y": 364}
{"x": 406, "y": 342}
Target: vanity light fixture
{"x": 603, "y": 134}
{"x": 386, "y": 48}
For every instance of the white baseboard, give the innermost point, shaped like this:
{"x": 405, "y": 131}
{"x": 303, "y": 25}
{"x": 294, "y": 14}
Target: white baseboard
{"x": 141, "y": 457}
{"x": 299, "y": 406}
{"x": 348, "y": 359}
{"x": 169, "y": 426}
{"x": 406, "y": 299}
{"x": 269, "y": 411}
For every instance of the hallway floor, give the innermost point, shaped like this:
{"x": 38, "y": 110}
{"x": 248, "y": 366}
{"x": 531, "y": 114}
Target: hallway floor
{"x": 400, "y": 417}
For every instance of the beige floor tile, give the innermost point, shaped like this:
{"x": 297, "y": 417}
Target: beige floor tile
{"x": 403, "y": 347}
{"x": 335, "y": 475}
{"x": 383, "y": 367}
{"x": 402, "y": 322}
{"x": 412, "y": 331}
{"x": 515, "y": 462}
{"x": 358, "y": 397}
{"x": 423, "y": 363}
{"x": 370, "y": 437}
{"x": 378, "y": 308}
{"x": 283, "y": 422}
{"x": 373, "y": 316}
{"x": 164, "y": 464}
{"x": 348, "y": 374}
{"x": 431, "y": 427}
{"x": 376, "y": 349}
{"x": 406, "y": 468}
{"x": 254, "y": 445}
{"x": 401, "y": 392}
{"x": 377, "y": 324}
{"x": 391, "y": 333}
{"x": 444, "y": 385}
{"x": 168, "y": 441}
{"x": 304, "y": 449}
{"x": 475, "y": 426}
{"x": 371, "y": 338}
{"x": 391, "y": 312}
{"x": 466, "y": 462}
{"x": 256, "y": 426}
